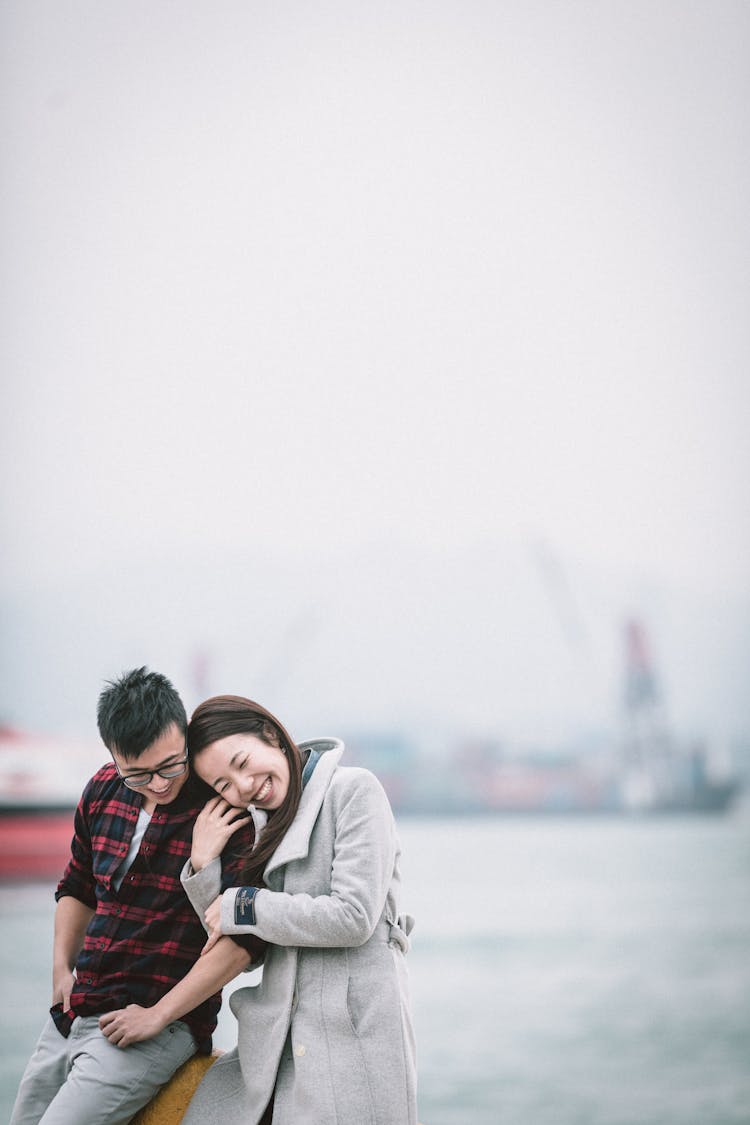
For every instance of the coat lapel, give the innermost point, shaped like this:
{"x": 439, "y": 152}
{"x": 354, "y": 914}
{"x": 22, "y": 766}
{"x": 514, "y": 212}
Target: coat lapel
{"x": 296, "y": 842}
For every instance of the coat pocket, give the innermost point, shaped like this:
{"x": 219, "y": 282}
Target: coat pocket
{"x": 353, "y": 1009}
{"x": 354, "y": 1080}
{"x": 370, "y": 996}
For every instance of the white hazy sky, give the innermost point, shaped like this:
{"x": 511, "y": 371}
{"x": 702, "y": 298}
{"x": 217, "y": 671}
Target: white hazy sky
{"x": 346, "y": 270}
{"x": 337, "y": 273}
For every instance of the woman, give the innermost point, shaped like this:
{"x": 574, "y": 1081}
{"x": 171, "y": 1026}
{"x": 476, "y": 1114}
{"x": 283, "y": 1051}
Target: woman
{"x": 326, "y": 1036}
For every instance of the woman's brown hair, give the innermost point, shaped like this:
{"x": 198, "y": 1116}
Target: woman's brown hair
{"x": 223, "y": 715}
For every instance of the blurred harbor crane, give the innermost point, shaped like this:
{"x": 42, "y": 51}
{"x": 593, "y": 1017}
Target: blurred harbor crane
{"x": 649, "y": 774}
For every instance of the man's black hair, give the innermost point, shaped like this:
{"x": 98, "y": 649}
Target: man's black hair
{"x": 136, "y": 710}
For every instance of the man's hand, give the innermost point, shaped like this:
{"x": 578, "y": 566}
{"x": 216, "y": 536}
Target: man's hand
{"x": 214, "y": 826}
{"x": 71, "y": 919}
{"x": 207, "y": 976}
{"x": 213, "y": 925}
{"x": 131, "y": 1025}
{"x": 62, "y": 986}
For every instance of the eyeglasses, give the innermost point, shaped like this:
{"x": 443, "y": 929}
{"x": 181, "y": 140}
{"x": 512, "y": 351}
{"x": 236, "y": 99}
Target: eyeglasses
{"x": 138, "y": 780}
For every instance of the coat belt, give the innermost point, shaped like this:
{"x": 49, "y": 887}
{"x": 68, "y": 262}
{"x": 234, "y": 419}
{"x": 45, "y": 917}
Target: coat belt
{"x": 395, "y": 933}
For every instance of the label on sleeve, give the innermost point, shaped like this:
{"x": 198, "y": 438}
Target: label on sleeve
{"x": 244, "y": 906}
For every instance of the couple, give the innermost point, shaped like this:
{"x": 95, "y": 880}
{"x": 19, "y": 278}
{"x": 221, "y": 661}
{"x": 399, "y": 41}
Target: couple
{"x": 308, "y": 884}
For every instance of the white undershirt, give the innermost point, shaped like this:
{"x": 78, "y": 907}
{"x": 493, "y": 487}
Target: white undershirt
{"x": 144, "y": 819}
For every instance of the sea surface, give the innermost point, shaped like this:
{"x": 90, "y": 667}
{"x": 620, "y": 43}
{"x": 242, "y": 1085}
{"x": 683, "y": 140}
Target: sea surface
{"x": 564, "y": 971}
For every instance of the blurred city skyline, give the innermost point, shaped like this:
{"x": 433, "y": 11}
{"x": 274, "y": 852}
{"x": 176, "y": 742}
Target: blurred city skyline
{"x": 383, "y": 360}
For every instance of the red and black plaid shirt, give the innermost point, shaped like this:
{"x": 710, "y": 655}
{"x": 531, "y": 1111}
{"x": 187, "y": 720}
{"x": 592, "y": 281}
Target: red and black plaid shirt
{"x": 145, "y": 937}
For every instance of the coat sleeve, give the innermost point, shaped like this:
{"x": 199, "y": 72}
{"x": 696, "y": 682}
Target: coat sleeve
{"x": 362, "y": 862}
{"x": 201, "y": 887}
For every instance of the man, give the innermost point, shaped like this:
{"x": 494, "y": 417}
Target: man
{"x": 125, "y": 933}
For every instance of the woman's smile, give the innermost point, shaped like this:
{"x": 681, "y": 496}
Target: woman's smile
{"x": 262, "y": 793}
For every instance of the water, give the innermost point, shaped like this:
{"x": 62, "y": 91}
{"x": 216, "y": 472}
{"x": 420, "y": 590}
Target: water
{"x": 575, "y": 972}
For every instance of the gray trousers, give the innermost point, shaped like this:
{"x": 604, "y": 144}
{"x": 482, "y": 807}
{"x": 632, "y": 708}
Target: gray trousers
{"x": 85, "y": 1079}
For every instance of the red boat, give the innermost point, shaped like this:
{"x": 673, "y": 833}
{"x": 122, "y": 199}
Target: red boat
{"x": 41, "y": 779}
{"x": 34, "y": 844}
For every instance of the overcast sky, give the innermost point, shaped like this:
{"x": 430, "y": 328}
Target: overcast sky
{"x": 337, "y": 273}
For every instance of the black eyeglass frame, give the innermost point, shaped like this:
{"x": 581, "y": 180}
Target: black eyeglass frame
{"x": 167, "y": 772}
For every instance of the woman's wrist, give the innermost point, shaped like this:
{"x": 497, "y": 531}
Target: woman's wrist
{"x": 199, "y": 860}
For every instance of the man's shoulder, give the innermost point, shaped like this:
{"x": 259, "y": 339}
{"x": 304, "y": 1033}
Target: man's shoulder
{"x": 100, "y": 790}
{"x": 102, "y": 780}
{"x": 107, "y": 772}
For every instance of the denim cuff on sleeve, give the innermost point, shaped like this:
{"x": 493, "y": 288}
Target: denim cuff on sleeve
{"x": 244, "y": 906}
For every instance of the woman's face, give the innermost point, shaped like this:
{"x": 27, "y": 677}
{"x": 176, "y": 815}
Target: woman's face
{"x": 245, "y": 770}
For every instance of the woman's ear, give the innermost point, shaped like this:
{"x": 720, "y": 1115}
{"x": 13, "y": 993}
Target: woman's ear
{"x": 272, "y": 738}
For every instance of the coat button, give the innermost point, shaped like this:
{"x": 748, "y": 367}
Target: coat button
{"x": 300, "y": 1049}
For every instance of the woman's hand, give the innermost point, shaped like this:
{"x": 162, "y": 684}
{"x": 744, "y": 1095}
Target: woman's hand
{"x": 215, "y": 824}
{"x": 213, "y": 924}
{"x": 131, "y": 1025}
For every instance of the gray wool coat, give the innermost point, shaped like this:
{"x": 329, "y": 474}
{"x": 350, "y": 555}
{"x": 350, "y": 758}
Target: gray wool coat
{"x": 329, "y": 1026}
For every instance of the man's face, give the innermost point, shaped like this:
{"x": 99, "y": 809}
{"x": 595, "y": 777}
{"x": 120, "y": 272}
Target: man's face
{"x": 165, "y": 753}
